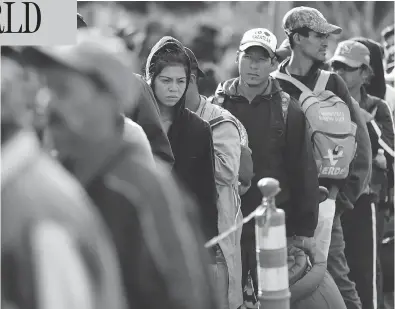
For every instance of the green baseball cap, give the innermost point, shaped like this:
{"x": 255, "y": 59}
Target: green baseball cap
{"x": 352, "y": 53}
{"x": 306, "y": 17}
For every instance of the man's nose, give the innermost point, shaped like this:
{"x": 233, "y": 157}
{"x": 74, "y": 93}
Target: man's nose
{"x": 325, "y": 42}
{"x": 253, "y": 64}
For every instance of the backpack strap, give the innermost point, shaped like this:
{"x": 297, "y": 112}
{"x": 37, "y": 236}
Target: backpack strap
{"x": 374, "y": 111}
{"x": 220, "y": 119}
{"x": 217, "y": 99}
{"x": 285, "y": 99}
{"x": 322, "y": 81}
{"x": 277, "y": 74}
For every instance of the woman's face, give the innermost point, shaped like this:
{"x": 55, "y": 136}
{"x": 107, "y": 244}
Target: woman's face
{"x": 170, "y": 85}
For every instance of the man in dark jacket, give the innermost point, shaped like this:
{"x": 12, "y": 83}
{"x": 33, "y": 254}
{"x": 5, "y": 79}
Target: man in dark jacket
{"x": 276, "y": 129}
{"x": 55, "y": 247}
{"x": 352, "y": 62}
{"x": 163, "y": 262}
{"x": 308, "y": 33}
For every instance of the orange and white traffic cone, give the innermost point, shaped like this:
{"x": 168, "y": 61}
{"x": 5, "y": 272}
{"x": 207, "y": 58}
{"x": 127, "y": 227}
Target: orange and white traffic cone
{"x": 271, "y": 250}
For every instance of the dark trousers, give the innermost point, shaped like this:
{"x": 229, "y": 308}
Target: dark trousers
{"x": 248, "y": 256}
{"x": 360, "y": 235}
{"x": 338, "y": 267}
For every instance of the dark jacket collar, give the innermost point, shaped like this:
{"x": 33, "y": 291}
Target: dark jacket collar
{"x": 367, "y": 101}
{"x": 231, "y": 88}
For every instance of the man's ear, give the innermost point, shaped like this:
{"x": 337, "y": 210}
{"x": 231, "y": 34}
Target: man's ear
{"x": 274, "y": 63}
{"x": 365, "y": 74}
{"x": 296, "y": 38}
{"x": 193, "y": 79}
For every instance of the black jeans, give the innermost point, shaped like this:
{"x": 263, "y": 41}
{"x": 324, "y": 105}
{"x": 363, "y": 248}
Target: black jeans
{"x": 360, "y": 235}
{"x": 248, "y": 257}
{"x": 338, "y": 267}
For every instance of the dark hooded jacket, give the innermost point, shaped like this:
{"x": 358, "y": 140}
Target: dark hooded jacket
{"x": 191, "y": 142}
{"x": 280, "y": 149}
{"x": 377, "y": 89}
{"x": 381, "y": 131}
{"x": 376, "y": 86}
{"x": 351, "y": 188}
{"x": 147, "y": 115}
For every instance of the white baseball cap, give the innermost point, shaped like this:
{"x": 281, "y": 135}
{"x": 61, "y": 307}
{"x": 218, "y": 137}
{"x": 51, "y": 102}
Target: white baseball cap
{"x": 259, "y": 37}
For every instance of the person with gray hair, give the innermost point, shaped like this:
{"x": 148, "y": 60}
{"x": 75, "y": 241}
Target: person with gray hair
{"x": 55, "y": 251}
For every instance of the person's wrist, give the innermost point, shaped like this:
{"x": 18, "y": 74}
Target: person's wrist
{"x": 333, "y": 191}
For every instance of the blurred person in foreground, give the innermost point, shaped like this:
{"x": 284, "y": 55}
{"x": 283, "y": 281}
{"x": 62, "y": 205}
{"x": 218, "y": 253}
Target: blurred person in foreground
{"x": 276, "y": 129}
{"x": 352, "y": 62}
{"x": 308, "y": 32}
{"x": 227, "y": 141}
{"x": 56, "y": 251}
{"x": 163, "y": 263}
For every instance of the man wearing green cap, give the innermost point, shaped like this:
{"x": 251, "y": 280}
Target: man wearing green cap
{"x": 352, "y": 62}
{"x": 308, "y": 32}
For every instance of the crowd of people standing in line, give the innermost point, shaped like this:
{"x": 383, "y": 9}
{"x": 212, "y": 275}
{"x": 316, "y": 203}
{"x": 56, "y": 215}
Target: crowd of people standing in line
{"x": 112, "y": 182}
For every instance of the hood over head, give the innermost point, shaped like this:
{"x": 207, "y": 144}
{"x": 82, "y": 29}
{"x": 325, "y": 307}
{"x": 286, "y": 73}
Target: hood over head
{"x": 377, "y": 84}
{"x": 167, "y": 44}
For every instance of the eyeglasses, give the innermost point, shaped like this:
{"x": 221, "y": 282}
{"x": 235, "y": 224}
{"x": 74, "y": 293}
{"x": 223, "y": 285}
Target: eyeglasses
{"x": 340, "y": 66}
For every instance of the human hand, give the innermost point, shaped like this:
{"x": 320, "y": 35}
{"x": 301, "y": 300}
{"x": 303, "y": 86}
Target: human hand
{"x": 307, "y": 244}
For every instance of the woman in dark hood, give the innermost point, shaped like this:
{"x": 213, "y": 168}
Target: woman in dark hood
{"x": 168, "y": 72}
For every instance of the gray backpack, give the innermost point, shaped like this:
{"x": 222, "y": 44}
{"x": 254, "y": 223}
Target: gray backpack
{"x": 330, "y": 127}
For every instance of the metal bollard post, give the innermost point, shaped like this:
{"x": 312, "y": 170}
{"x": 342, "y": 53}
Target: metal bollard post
{"x": 271, "y": 250}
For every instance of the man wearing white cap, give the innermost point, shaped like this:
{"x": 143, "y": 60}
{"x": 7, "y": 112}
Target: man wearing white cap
{"x": 267, "y": 112}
